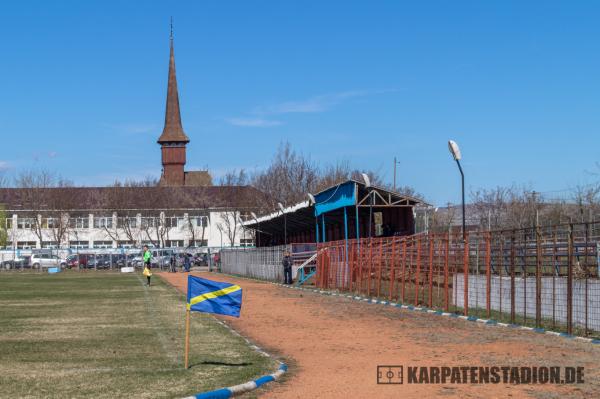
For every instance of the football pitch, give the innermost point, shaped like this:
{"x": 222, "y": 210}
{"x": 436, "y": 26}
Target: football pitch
{"x": 105, "y": 334}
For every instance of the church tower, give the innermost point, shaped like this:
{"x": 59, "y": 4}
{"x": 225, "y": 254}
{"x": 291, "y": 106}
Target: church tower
{"x": 173, "y": 140}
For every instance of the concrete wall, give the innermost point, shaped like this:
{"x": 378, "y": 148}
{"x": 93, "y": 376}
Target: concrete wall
{"x": 554, "y": 301}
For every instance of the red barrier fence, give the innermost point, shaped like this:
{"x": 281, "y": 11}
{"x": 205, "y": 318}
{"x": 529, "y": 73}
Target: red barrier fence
{"x": 545, "y": 277}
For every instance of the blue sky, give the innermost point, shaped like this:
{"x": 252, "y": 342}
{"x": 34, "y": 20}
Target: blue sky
{"x": 515, "y": 83}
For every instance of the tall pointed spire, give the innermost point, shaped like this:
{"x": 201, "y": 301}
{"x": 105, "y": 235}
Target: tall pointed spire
{"x": 173, "y": 130}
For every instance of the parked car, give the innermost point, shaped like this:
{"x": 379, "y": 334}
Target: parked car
{"x": 46, "y": 260}
{"x": 72, "y": 261}
{"x": 160, "y": 258}
{"x": 123, "y": 260}
{"x": 17, "y": 263}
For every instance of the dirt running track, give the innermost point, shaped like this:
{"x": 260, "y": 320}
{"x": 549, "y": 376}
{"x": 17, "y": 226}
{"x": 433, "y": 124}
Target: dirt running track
{"x": 333, "y": 346}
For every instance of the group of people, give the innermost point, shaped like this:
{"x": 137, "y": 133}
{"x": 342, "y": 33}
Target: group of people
{"x": 187, "y": 263}
{"x": 147, "y": 258}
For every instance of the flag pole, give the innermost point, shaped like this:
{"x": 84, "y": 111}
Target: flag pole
{"x": 187, "y": 337}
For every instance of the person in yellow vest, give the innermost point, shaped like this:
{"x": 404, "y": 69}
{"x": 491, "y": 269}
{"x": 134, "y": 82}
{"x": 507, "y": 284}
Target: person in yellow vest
{"x": 147, "y": 263}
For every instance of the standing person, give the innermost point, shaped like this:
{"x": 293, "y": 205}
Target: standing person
{"x": 147, "y": 263}
{"x": 173, "y": 264}
{"x": 186, "y": 263}
{"x": 287, "y": 268}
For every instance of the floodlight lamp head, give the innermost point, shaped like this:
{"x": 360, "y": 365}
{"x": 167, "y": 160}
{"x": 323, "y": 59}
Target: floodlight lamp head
{"x": 280, "y": 205}
{"x": 253, "y": 215}
{"x": 454, "y": 150}
{"x": 367, "y": 180}
{"x": 311, "y": 199}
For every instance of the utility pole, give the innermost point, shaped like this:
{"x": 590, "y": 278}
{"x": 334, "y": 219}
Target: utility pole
{"x": 395, "y": 163}
{"x": 535, "y": 207}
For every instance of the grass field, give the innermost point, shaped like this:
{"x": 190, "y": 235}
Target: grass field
{"x": 105, "y": 334}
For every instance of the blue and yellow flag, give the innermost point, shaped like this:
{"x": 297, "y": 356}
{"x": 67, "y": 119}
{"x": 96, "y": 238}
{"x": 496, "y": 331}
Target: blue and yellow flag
{"x": 214, "y": 297}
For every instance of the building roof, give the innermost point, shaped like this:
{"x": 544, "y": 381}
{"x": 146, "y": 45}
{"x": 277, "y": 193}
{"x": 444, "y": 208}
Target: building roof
{"x": 198, "y": 178}
{"x": 131, "y": 198}
{"x": 173, "y": 130}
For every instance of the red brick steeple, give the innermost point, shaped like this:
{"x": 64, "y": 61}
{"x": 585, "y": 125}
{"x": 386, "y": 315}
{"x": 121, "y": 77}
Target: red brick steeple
{"x": 173, "y": 139}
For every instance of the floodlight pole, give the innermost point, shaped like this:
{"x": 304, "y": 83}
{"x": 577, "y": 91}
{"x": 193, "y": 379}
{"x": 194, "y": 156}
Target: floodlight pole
{"x": 462, "y": 177}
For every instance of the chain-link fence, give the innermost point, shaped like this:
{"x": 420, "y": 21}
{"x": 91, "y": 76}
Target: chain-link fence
{"x": 264, "y": 263}
{"x": 105, "y": 258}
{"x": 544, "y": 277}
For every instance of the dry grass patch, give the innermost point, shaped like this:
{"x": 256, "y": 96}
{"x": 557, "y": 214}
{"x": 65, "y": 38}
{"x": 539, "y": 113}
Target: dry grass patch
{"x": 107, "y": 335}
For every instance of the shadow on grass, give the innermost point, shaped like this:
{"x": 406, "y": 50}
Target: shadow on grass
{"x": 213, "y": 363}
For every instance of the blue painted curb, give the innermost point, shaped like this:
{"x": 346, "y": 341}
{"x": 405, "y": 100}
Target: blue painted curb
{"x": 225, "y": 393}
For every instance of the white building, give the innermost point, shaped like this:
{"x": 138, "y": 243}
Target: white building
{"x": 126, "y": 217}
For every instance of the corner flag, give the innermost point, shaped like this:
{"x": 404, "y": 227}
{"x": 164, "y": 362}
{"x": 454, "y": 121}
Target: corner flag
{"x": 213, "y": 297}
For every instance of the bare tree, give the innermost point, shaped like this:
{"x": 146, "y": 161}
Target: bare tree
{"x": 291, "y": 175}
{"x": 3, "y": 228}
{"x": 148, "y": 181}
{"x": 45, "y": 205}
{"x": 288, "y": 178}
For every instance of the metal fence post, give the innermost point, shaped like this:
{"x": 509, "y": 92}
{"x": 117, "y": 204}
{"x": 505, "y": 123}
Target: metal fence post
{"x": 488, "y": 264}
{"x": 538, "y": 278}
{"x": 418, "y": 271}
{"x": 431, "y": 242}
{"x": 381, "y": 241}
{"x": 393, "y": 268}
{"x": 570, "y": 282}
{"x": 446, "y": 256}
{"x": 403, "y": 269}
{"x": 466, "y": 273}
{"x": 512, "y": 277}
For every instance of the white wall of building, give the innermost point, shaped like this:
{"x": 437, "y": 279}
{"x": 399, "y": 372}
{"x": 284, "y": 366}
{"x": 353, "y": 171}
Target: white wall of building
{"x": 218, "y": 227}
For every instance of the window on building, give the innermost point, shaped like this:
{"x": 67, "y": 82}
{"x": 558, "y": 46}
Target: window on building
{"x": 79, "y": 222}
{"x": 174, "y": 243}
{"x": 126, "y": 244}
{"x": 26, "y": 244}
{"x": 102, "y": 244}
{"x": 79, "y": 244}
{"x": 199, "y": 221}
{"x": 246, "y": 242}
{"x": 149, "y": 244}
{"x": 174, "y": 222}
{"x": 127, "y": 222}
{"x": 103, "y": 222}
{"x": 25, "y": 223}
{"x": 50, "y": 223}
{"x": 245, "y": 216}
{"x": 150, "y": 222}
{"x": 50, "y": 244}
{"x": 8, "y": 224}
{"x": 199, "y": 243}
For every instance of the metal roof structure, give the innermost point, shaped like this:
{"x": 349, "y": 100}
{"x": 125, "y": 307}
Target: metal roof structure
{"x": 331, "y": 204}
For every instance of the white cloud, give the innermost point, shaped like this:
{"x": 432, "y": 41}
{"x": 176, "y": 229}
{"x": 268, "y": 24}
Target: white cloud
{"x": 253, "y": 122}
{"x": 4, "y": 166}
{"x": 318, "y": 103}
